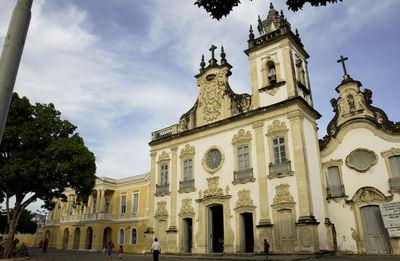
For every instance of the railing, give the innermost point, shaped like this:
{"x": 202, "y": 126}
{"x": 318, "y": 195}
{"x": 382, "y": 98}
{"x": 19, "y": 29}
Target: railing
{"x": 395, "y": 183}
{"x": 279, "y": 168}
{"x": 335, "y": 191}
{"x": 243, "y": 174}
{"x": 186, "y": 184}
{"x": 164, "y": 188}
{"x": 155, "y": 135}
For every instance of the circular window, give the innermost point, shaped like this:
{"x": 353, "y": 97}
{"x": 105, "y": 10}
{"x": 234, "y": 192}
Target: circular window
{"x": 213, "y": 159}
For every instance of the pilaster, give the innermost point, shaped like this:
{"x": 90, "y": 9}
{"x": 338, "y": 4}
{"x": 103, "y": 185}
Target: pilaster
{"x": 288, "y": 69}
{"x": 151, "y": 192}
{"x": 98, "y": 201}
{"x": 172, "y": 231}
{"x": 262, "y": 177}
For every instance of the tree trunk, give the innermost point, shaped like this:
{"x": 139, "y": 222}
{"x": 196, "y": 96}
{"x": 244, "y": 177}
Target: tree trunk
{"x": 8, "y": 247}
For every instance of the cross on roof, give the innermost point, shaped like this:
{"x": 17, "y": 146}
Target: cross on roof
{"x": 341, "y": 60}
{"x": 212, "y": 49}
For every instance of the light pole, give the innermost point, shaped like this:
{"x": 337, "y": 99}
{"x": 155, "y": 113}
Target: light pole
{"x": 11, "y": 56}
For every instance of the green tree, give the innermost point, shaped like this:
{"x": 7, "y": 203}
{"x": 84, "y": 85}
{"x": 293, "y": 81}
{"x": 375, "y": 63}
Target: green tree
{"x": 26, "y": 224}
{"x": 40, "y": 156}
{"x": 219, "y": 8}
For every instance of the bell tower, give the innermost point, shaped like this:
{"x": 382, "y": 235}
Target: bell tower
{"x": 278, "y": 62}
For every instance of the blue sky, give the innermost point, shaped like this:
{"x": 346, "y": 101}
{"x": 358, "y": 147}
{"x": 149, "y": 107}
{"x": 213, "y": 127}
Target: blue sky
{"x": 120, "y": 69}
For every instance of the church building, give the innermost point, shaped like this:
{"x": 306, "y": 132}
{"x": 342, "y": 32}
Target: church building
{"x": 238, "y": 169}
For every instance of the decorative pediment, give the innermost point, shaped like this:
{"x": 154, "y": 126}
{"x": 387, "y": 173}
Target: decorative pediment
{"x": 369, "y": 195}
{"x": 244, "y": 200}
{"x": 163, "y": 156}
{"x": 186, "y": 208}
{"x": 213, "y": 189}
{"x": 283, "y": 194}
{"x": 241, "y": 137}
{"x": 276, "y": 128}
{"x": 392, "y": 152}
{"x": 188, "y": 151}
{"x": 161, "y": 212}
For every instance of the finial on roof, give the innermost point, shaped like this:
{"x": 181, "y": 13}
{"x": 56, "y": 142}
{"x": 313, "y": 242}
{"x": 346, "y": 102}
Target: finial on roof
{"x": 223, "y": 55}
{"x": 251, "y": 35}
{"x": 202, "y": 64}
{"x": 282, "y": 13}
{"x": 212, "y": 61}
{"x": 271, "y": 6}
{"x": 297, "y": 33}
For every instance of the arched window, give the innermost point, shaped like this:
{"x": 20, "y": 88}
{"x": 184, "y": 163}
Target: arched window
{"x": 271, "y": 72}
{"x": 134, "y": 236}
{"x": 121, "y": 236}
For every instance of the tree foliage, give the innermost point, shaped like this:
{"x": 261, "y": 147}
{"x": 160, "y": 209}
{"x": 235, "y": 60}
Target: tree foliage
{"x": 220, "y": 8}
{"x": 40, "y": 156}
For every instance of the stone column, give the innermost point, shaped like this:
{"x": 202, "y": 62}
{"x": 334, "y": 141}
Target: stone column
{"x": 102, "y": 199}
{"x": 11, "y": 55}
{"x": 98, "y": 201}
{"x": 301, "y": 167}
{"x": 172, "y": 231}
{"x": 149, "y": 233}
{"x": 262, "y": 177}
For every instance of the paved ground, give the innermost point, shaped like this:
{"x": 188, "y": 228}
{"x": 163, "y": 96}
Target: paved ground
{"x": 72, "y": 255}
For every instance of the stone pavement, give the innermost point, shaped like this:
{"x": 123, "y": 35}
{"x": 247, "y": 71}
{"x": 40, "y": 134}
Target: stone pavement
{"x": 74, "y": 255}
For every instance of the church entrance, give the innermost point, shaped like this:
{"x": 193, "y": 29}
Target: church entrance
{"x": 246, "y": 233}
{"x": 106, "y": 235}
{"x": 375, "y": 234}
{"x": 286, "y": 231}
{"x": 187, "y": 235}
{"x": 215, "y": 229}
{"x": 89, "y": 237}
{"x": 77, "y": 237}
{"x": 65, "y": 239}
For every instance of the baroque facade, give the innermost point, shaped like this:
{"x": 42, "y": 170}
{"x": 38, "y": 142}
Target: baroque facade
{"x": 239, "y": 168}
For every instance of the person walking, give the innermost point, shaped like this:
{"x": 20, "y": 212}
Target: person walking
{"x": 155, "y": 249}
{"x": 266, "y": 248}
{"x": 120, "y": 251}
{"x": 45, "y": 244}
{"x": 108, "y": 247}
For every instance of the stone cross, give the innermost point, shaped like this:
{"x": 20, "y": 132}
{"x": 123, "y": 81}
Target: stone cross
{"x": 341, "y": 60}
{"x": 212, "y": 49}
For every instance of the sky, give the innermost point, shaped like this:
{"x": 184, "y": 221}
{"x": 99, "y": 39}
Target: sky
{"x": 120, "y": 69}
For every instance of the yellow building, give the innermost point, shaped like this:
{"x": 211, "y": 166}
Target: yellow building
{"x": 116, "y": 210}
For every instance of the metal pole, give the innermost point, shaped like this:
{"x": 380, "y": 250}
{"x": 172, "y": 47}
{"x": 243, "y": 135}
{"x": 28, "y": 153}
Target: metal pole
{"x": 11, "y": 56}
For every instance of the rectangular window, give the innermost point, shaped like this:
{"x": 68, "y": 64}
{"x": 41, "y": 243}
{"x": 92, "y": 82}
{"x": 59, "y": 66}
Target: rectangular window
{"x": 335, "y": 184}
{"x": 164, "y": 174}
{"x": 135, "y": 202}
{"x": 187, "y": 169}
{"x": 394, "y": 162}
{"x": 123, "y": 204}
{"x": 94, "y": 205}
{"x": 279, "y": 150}
{"x": 243, "y": 157}
{"x": 70, "y": 208}
{"x": 106, "y": 204}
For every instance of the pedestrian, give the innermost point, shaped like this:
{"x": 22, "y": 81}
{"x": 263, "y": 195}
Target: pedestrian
{"x": 266, "y": 249}
{"x": 120, "y": 251}
{"x": 45, "y": 244}
{"x": 108, "y": 247}
{"x": 155, "y": 249}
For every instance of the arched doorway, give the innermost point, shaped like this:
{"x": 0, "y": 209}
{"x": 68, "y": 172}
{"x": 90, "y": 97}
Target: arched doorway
{"x": 107, "y": 235}
{"x": 65, "y": 239}
{"x": 89, "y": 237}
{"x": 246, "y": 233}
{"x": 215, "y": 229}
{"x": 77, "y": 238}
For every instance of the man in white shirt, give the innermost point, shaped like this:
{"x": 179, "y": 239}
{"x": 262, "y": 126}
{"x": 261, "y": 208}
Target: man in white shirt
{"x": 155, "y": 249}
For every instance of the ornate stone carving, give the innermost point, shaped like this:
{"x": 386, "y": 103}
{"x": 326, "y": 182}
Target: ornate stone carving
{"x": 187, "y": 151}
{"x": 186, "y": 208}
{"x": 161, "y": 211}
{"x": 361, "y": 159}
{"x": 163, "y": 156}
{"x": 276, "y": 127}
{"x": 283, "y": 194}
{"x": 244, "y": 199}
{"x": 213, "y": 189}
{"x": 212, "y": 92}
{"x": 241, "y": 137}
{"x": 306, "y": 238}
{"x": 368, "y": 195}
